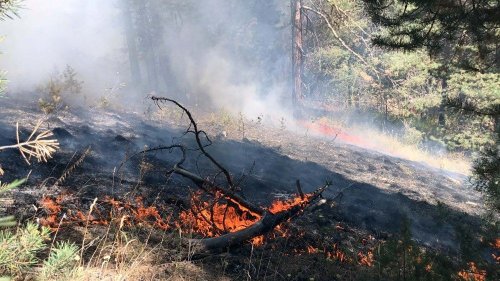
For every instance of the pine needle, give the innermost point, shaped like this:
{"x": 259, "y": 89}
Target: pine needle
{"x": 40, "y": 146}
{"x": 73, "y": 166}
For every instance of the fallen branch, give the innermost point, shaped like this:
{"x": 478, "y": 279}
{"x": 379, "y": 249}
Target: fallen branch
{"x": 211, "y": 188}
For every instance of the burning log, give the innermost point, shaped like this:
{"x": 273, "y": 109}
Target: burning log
{"x": 267, "y": 223}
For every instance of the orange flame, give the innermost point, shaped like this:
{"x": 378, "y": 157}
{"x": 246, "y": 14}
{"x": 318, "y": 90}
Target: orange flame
{"x": 428, "y": 267}
{"x": 311, "y": 250}
{"x": 257, "y": 241}
{"x": 212, "y": 219}
{"x": 142, "y": 214}
{"x": 279, "y": 206}
{"x": 366, "y": 259}
{"x": 53, "y": 208}
{"x": 206, "y": 218}
{"x": 337, "y": 254}
{"x": 135, "y": 212}
{"x": 496, "y": 244}
{"x": 473, "y": 273}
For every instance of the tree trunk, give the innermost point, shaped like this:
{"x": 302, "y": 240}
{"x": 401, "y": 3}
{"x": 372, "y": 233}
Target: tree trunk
{"x": 297, "y": 56}
{"x": 131, "y": 35}
{"x": 442, "y": 106}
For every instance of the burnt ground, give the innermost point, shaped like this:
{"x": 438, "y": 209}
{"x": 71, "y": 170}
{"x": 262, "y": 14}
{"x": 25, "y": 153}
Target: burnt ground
{"x": 379, "y": 192}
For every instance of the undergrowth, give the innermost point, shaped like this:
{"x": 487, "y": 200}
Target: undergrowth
{"x": 20, "y": 252}
{"x": 59, "y": 90}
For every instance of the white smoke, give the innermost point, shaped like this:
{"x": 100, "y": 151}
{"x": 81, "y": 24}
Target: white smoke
{"x": 50, "y": 35}
{"x": 89, "y": 35}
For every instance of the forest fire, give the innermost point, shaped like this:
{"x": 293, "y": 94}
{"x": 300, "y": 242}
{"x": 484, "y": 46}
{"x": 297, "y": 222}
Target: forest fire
{"x": 204, "y": 218}
{"x": 473, "y": 273}
{"x": 322, "y": 127}
{"x": 127, "y": 213}
{"x": 174, "y": 131}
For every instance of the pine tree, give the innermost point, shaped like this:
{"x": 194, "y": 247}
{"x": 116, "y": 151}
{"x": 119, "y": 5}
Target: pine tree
{"x": 466, "y": 32}
{"x": 9, "y": 8}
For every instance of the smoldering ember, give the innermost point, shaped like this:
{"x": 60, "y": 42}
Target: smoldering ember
{"x": 249, "y": 140}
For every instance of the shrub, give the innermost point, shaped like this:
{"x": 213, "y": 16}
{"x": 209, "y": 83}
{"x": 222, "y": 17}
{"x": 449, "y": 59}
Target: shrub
{"x": 412, "y": 136}
{"x": 61, "y": 263}
{"x": 18, "y": 250}
{"x": 59, "y": 90}
{"x": 486, "y": 174}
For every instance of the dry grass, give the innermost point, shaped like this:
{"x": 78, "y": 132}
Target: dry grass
{"x": 451, "y": 161}
{"x": 406, "y": 147}
{"x": 116, "y": 253}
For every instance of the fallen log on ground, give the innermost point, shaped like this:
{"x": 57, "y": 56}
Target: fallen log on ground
{"x": 266, "y": 224}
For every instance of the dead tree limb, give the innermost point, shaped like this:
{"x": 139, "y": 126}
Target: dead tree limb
{"x": 211, "y": 188}
{"x": 337, "y": 36}
{"x": 299, "y": 189}
{"x": 197, "y": 133}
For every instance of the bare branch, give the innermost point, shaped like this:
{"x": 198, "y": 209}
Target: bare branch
{"x": 336, "y": 35}
{"x": 213, "y": 189}
{"x": 197, "y": 133}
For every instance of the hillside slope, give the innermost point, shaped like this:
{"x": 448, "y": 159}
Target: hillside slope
{"x": 379, "y": 191}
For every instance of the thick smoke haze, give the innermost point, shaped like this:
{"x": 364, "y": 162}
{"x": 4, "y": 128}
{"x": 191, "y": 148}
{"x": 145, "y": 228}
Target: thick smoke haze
{"x": 218, "y": 54}
{"x": 83, "y": 34}
{"x": 213, "y": 52}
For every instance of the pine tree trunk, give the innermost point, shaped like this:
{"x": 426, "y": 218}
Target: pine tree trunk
{"x": 297, "y": 56}
{"x": 131, "y": 36}
{"x": 442, "y": 106}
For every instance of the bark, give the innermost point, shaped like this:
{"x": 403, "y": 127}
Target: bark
{"x": 131, "y": 36}
{"x": 149, "y": 48}
{"x": 442, "y": 106}
{"x": 297, "y": 55}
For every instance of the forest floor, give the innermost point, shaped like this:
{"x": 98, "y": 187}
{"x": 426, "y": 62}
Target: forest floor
{"x": 380, "y": 194}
